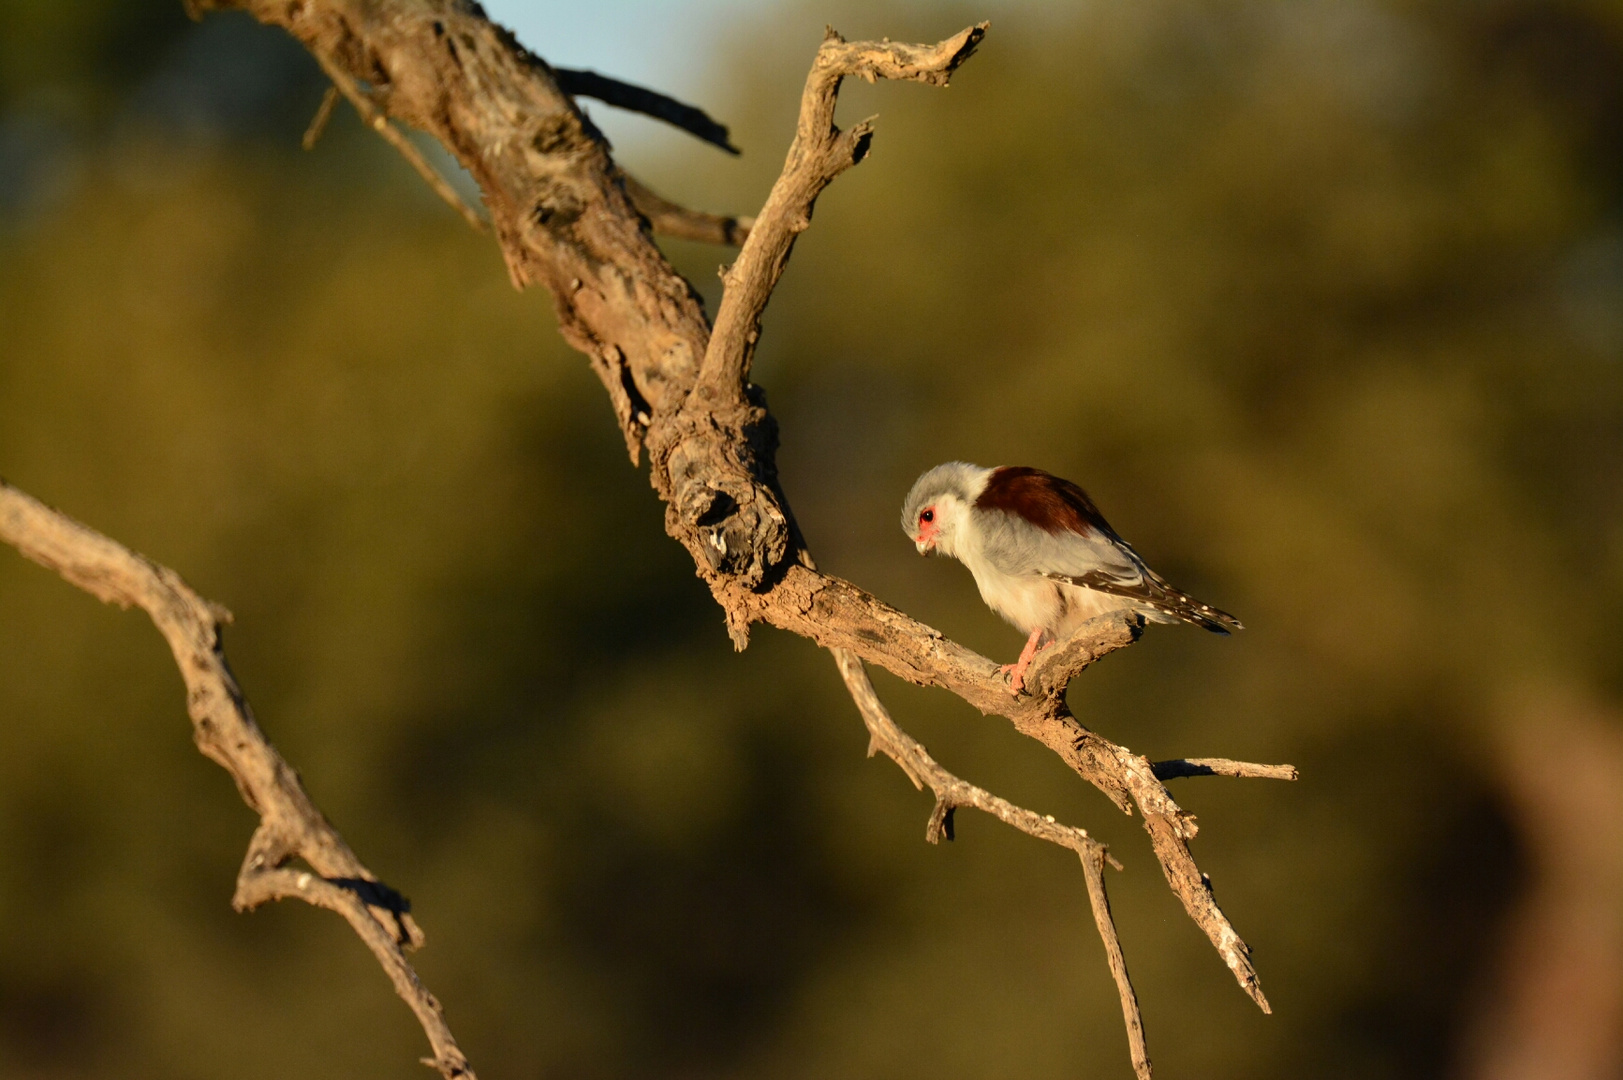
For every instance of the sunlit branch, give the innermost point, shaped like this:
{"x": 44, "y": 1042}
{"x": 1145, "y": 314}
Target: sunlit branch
{"x": 291, "y": 827}
{"x": 564, "y": 216}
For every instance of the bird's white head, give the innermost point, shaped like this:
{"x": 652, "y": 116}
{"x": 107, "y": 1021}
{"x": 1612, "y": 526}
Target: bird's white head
{"x": 936, "y": 513}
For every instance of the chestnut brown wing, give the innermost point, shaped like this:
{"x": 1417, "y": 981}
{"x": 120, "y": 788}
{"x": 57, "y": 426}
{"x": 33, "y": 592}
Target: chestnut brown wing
{"x": 1049, "y": 502}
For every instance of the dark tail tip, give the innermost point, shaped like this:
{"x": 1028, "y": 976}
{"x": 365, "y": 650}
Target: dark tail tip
{"x": 1209, "y": 618}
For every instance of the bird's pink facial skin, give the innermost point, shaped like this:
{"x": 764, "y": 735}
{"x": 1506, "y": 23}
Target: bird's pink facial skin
{"x": 928, "y": 531}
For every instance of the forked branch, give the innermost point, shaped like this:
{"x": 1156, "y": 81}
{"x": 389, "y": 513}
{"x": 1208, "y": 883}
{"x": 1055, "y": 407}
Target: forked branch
{"x": 951, "y": 793}
{"x": 565, "y": 217}
{"x": 290, "y": 826}
{"x": 820, "y": 152}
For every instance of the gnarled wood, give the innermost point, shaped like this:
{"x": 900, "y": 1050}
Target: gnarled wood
{"x": 566, "y": 217}
{"x": 290, "y": 826}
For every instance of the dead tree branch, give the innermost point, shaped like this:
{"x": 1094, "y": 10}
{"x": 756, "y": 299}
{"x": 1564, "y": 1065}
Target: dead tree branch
{"x": 1217, "y": 766}
{"x": 640, "y": 99}
{"x": 565, "y": 218}
{"x": 670, "y": 219}
{"x": 819, "y": 153}
{"x": 378, "y": 121}
{"x": 951, "y": 793}
{"x": 224, "y": 728}
{"x": 1093, "y": 867}
{"x": 318, "y": 122}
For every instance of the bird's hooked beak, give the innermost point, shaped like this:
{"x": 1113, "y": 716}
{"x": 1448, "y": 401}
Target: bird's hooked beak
{"x": 929, "y": 531}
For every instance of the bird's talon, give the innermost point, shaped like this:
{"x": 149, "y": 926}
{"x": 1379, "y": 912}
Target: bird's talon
{"x": 1017, "y": 681}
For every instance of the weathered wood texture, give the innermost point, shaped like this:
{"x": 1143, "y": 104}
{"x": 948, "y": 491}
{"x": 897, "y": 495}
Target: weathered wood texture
{"x": 290, "y": 826}
{"x": 566, "y": 217}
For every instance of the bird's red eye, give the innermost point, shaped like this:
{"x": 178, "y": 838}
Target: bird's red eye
{"x": 928, "y": 515}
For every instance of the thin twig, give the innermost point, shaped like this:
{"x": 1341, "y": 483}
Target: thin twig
{"x": 640, "y": 99}
{"x": 884, "y": 736}
{"x": 318, "y": 122}
{"x": 820, "y": 152}
{"x": 1093, "y": 867}
{"x": 378, "y": 122}
{"x": 951, "y": 792}
{"x": 672, "y": 219}
{"x": 225, "y": 730}
{"x": 1217, "y": 766}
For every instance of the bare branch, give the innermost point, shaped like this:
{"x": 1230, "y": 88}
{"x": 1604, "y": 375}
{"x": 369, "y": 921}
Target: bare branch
{"x": 671, "y": 219}
{"x": 838, "y": 615}
{"x": 564, "y": 217}
{"x": 951, "y": 793}
{"x": 623, "y": 95}
{"x": 318, "y": 122}
{"x": 1217, "y": 766}
{"x": 379, "y": 123}
{"x": 884, "y": 736}
{"x": 225, "y": 730}
{"x": 1093, "y": 867}
{"x": 819, "y": 153}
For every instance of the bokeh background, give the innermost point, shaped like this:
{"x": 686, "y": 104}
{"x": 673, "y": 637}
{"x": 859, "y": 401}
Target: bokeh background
{"x": 1323, "y": 302}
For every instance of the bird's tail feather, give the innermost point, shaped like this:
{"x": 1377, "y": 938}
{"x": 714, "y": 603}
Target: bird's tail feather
{"x": 1188, "y": 609}
{"x": 1154, "y": 593}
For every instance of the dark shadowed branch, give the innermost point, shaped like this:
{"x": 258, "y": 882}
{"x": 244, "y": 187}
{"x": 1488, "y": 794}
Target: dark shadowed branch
{"x": 639, "y": 99}
{"x": 670, "y": 219}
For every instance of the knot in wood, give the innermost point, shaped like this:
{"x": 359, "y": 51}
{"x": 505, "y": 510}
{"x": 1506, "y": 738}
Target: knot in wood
{"x": 729, "y": 520}
{"x": 559, "y": 134}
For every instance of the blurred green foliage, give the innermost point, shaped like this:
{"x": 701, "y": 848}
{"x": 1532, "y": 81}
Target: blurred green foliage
{"x": 1321, "y": 301}
{"x": 89, "y": 50}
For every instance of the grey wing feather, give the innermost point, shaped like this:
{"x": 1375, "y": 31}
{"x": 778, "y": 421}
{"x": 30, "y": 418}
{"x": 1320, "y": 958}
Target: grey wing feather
{"x": 1018, "y": 547}
{"x": 1094, "y": 560}
{"x": 1155, "y": 593}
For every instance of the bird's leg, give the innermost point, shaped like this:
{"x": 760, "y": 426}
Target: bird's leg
{"x": 1017, "y": 670}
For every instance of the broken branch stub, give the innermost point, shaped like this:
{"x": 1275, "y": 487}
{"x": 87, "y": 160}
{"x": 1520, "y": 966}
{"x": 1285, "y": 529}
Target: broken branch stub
{"x": 640, "y": 99}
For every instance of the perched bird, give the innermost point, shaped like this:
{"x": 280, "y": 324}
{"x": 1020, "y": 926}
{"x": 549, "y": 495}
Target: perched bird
{"x": 1043, "y": 556}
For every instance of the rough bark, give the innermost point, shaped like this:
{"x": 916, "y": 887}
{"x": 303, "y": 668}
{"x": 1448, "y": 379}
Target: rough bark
{"x": 290, "y": 826}
{"x": 566, "y": 217}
